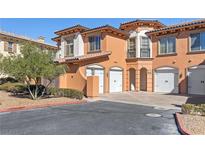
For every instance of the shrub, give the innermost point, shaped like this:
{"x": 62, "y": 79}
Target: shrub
{"x": 7, "y": 79}
{"x": 62, "y": 92}
{"x": 20, "y": 88}
{"x": 194, "y": 109}
{"x": 12, "y": 87}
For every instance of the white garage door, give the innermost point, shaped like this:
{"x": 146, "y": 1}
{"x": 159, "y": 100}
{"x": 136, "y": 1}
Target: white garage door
{"x": 196, "y": 81}
{"x": 115, "y": 80}
{"x": 166, "y": 80}
{"x": 97, "y": 72}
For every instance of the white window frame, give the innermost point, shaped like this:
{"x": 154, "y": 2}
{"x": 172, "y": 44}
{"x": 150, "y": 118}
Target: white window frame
{"x": 128, "y": 45}
{"x": 141, "y": 37}
{"x": 167, "y": 53}
{"x": 10, "y": 46}
{"x": 198, "y": 50}
{"x": 68, "y": 47}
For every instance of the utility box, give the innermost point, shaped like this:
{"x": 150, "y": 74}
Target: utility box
{"x": 92, "y": 86}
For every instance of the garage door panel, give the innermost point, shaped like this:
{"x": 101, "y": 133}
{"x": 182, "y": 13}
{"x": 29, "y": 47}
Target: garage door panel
{"x": 115, "y": 81}
{"x": 166, "y": 81}
{"x": 196, "y": 81}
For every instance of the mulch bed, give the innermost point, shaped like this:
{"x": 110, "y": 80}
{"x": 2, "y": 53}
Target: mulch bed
{"x": 191, "y": 124}
{"x": 10, "y": 103}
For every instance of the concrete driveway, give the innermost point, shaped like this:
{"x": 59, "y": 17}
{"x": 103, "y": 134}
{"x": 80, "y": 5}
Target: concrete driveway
{"x": 145, "y": 98}
{"x": 98, "y": 118}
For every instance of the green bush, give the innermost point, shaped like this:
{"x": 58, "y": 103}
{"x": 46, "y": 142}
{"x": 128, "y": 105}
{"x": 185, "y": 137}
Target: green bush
{"x": 194, "y": 109}
{"x": 62, "y": 92}
{"x": 7, "y": 79}
{"x": 12, "y": 87}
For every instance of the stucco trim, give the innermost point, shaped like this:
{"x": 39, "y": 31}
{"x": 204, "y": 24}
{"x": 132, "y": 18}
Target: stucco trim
{"x": 166, "y": 67}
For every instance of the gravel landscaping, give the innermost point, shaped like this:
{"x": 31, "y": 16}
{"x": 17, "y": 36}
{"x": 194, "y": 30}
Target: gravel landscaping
{"x": 9, "y": 101}
{"x": 193, "y": 123}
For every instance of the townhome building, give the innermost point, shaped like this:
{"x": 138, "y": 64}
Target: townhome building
{"x": 141, "y": 55}
{"x": 10, "y": 43}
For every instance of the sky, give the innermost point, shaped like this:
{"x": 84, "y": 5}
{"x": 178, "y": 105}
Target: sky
{"x": 35, "y": 27}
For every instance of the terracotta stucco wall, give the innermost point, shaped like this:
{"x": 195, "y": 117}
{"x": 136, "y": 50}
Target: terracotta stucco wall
{"x": 182, "y": 60}
{"x": 137, "y": 65}
{"x": 76, "y": 77}
{"x": 117, "y": 58}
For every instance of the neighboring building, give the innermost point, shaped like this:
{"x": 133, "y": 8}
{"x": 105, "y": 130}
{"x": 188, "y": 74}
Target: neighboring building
{"x": 142, "y": 55}
{"x": 10, "y": 43}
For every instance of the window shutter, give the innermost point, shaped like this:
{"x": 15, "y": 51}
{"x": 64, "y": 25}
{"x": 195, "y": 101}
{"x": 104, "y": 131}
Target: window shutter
{"x": 6, "y": 46}
{"x": 15, "y": 47}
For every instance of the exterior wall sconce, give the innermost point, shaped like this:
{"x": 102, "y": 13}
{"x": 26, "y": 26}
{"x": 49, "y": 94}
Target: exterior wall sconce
{"x": 174, "y": 62}
{"x": 189, "y": 61}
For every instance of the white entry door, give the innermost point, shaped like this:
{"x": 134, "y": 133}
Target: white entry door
{"x": 97, "y": 72}
{"x": 115, "y": 80}
{"x": 166, "y": 80}
{"x": 196, "y": 81}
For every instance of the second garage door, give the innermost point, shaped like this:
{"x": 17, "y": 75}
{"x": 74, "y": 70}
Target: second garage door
{"x": 196, "y": 80}
{"x": 166, "y": 80}
{"x": 115, "y": 78}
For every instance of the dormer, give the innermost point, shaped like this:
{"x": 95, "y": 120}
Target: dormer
{"x": 139, "y": 44}
{"x": 70, "y": 41}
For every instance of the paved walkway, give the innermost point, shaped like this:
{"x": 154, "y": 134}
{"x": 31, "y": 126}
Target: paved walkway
{"x": 146, "y": 98}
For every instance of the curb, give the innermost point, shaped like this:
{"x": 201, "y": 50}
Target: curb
{"x": 180, "y": 125}
{"x": 21, "y": 108}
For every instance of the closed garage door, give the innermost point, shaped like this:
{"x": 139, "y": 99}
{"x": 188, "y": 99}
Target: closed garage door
{"x": 97, "y": 71}
{"x": 196, "y": 81}
{"x": 115, "y": 79}
{"x": 166, "y": 80}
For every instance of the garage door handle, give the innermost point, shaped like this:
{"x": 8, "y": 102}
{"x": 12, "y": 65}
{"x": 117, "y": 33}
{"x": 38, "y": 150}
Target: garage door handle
{"x": 166, "y": 81}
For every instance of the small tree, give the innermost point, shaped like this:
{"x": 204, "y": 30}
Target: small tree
{"x": 32, "y": 65}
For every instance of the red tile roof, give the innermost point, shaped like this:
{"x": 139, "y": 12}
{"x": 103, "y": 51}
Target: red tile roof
{"x": 107, "y": 27}
{"x": 176, "y": 26}
{"x": 84, "y": 57}
{"x": 81, "y": 28}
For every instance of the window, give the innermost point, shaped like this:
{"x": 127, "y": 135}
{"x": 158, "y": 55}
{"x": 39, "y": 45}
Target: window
{"x": 131, "y": 51}
{"x": 167, "y": 45}
{"x": 69, "y": 48}
{"x": 131, "y": 45}
{"x": 10, "y": 46}
{"x": 94, "y": 43}
{"x": 197, "y": 41}
{"x": 144, "y": 47}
